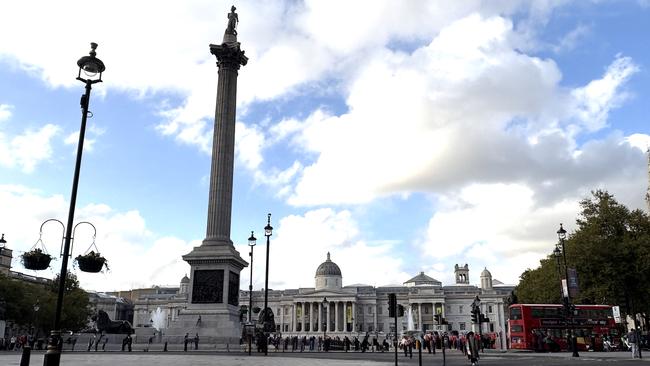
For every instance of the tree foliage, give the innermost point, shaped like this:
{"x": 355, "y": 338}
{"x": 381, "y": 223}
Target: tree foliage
{"x": 20, "y": 298}
{"x": 610, "y": 250}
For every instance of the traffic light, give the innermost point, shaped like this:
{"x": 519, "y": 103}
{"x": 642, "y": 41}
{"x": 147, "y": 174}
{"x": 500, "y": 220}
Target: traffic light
{"x": 484, "y": 319}
{"x": 392, "y": 304}
{"x": 400, "y": 310}
{"x": 437, "y": 317}
{"x": 475, "y": 315}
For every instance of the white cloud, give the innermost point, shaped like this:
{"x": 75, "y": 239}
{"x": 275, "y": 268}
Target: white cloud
{"x": 28, "y": 149}
{"x": 570, "y": 40}
{"x": 595, "y": 100}
{"x": 137, "y": 257}
{"x": 5, "y": 112}
{"x": 90, "y": 138}
{"x": 300, "y": 243}
{"x": 639, "y": 140}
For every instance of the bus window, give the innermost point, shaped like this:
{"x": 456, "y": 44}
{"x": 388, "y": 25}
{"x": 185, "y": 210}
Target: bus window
{"x": 515, "y": 328}
{"x": 515, "y": 313}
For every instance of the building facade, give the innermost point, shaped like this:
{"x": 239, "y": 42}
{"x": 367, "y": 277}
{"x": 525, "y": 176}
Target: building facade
{"x": 334, "y": 309}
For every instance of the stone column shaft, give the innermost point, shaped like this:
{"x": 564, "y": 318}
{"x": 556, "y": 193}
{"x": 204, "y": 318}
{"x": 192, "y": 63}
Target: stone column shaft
{"x": 302, "y": 318}
{"x": 354, "y": 317}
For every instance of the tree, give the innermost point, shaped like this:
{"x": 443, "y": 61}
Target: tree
{"x": 611, "y": 252}
{"x": 76, "y": 306}
{"x": 20, "y": 297}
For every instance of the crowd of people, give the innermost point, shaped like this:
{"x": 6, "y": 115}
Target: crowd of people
{"x": 16, "y": 343}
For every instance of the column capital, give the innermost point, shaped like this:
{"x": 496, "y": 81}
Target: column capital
{"x": 229, "y": 55}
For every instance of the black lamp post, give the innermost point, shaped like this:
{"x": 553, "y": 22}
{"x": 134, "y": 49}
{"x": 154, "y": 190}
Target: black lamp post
{"x": 325, "y": 304}
{"x": 251, "y": 243}
{"x": 92, "y": 68}
{"x": 561, "y": 234}
{"x": 268, "y": 231}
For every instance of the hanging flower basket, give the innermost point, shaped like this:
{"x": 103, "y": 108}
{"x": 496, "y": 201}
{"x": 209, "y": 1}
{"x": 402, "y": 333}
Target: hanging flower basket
{"x": 91, "y": 262}
{"x": 36, "y": 259}
{"x": 256, "y": 309}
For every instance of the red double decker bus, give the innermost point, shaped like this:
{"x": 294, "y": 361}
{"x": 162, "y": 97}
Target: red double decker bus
{"x": 542, "y": 327}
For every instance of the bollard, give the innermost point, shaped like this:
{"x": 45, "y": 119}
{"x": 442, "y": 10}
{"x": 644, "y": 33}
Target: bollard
{"x": 24, "y": 360}
{"x": 165, "y": 349}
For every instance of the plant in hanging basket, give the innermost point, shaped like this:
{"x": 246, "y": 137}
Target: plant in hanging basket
{"x": 91, "y": 262}
{"x": 37, "y": 260}
{"x": 256, "y": 309}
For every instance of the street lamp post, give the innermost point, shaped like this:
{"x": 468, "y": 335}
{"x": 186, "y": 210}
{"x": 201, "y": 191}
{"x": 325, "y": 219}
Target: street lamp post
{"x": 251, "y": 243}
{"x": 561, "y": 234}
{"x": 92, "y": 68}
{"x": 268, "y": 231}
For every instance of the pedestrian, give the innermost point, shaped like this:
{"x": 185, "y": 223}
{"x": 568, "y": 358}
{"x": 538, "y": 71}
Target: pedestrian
{"x": 185, "y": 340}
{"x": 196, "y": 341}
{"x": 473, "y": 347}
{"x": 634, "y": 344}
{"x": 129, "y": 341}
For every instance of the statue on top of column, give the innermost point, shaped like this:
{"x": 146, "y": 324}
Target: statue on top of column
{"x": 233, "y": 19}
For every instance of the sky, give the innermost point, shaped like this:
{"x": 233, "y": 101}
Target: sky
{"x": 399, "y": 136}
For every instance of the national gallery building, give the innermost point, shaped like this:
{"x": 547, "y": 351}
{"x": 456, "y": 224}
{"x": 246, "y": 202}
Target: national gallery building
{"x": 357, "y": 310}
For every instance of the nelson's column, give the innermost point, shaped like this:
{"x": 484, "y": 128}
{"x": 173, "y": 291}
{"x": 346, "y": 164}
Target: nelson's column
{"x": 213, "y": 302}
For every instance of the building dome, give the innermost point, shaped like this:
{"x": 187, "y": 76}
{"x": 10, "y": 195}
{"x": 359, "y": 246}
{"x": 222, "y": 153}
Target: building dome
{"x": 486, "y": 273}
{"x": 185, "y": 279}
{"x": 328, "y": 268}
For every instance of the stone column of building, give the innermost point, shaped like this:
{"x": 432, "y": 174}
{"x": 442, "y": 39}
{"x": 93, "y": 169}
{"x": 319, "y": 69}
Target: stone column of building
{"x": 293, "y": 318}
{"x": 420, "y": 327}
{"x": 345, "y": 316}
{"x": 354, "y": 316}
{"x": 501, "y": 332}
{"x": 319, "y": 316}
{"x": 281, "y": 318}
{"x": 374, "y": 320}
{"x": 302, "y": 317}
{"x": 336, "y": 316}
{"x": 311, "y": 316}
{"x": 329, "y": 314}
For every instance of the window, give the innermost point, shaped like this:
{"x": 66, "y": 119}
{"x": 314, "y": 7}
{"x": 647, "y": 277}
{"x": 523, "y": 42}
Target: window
{"x": 380, "y": 327}
{"x": 448, "y": 309}
{"x": 369, "y": 309}
{"x": 490, "y": 309}
{"x": 461, "y": 325}
{"x": 491, "y": 327}
{"x": 426, "y": 310}
{"x": 379, "y": 309}
{"x": 460, "y": 309}
{"x": 515, "y": 314}
{"x": 516, "y": 328}
{"x": 370, "y": 327}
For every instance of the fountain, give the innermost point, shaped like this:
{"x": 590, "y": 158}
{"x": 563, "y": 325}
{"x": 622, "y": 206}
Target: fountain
{"x": 159, "y": 319}
{"x": 410, "y": 325}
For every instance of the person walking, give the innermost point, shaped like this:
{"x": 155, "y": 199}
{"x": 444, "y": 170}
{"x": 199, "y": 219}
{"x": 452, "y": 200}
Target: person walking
{"x": 196, "y": 341}
{"x": 185, "y": 340}
{"x": 473, "y": 348}
{"x": 633, "y": 342}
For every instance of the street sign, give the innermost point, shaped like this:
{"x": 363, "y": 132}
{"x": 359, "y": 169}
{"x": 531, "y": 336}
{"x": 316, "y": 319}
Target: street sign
{"x": 617, "y": 313}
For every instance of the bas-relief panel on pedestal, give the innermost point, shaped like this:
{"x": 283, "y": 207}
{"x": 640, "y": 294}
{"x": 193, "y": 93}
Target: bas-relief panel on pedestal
{"x": 208, "y": 286}
{"x": 233, "y": 289}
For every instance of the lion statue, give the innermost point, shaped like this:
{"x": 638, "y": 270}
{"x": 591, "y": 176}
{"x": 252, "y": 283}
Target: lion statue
{"x": 104, "y": 324}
